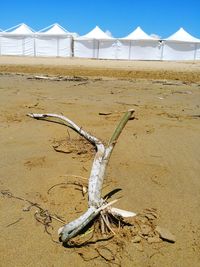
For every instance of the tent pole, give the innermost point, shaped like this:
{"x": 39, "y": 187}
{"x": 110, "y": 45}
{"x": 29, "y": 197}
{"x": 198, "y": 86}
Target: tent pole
{"x": 98, "y": 43}
{"x": 34, "y": 45}
{"x": 162, "y": 50}
{"x": 23, "y": 46}
{"x": 72, "y": 46}
{"x": 94, "y": 47}
{"x": 195, "y": 51}
{"x": 132, "y": 50}
{"x": 116, "y": 49}
{"x": 57, "y": 46}
{"x": 129, "y": 52}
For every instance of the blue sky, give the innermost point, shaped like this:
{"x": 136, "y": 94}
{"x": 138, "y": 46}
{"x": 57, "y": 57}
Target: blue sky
{"x": 120, "y": 17}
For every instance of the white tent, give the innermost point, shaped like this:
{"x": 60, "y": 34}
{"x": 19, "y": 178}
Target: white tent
{"x": 88, "y": 45}
{"x": 18, "y": 40}
{"x": 56, "y": 41}
{"x": 53, "y": 41}
{"x": 181, "y": 46}
{"x": 140, "y": 46}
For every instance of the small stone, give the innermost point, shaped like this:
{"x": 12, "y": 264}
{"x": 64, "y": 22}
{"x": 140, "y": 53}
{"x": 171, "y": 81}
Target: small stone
{"x": 165, "y": 234}
{"x": 136, "y": 239}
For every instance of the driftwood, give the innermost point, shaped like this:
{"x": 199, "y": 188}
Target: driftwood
{"x": 58, "y": 78}
{"x": 96, "y": 204}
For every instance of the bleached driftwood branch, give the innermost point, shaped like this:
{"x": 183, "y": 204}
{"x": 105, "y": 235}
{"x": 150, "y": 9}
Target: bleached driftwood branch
{"x": 95, "y": 202}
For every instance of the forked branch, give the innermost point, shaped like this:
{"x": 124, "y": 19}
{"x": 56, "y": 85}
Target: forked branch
{"x": 95, "y": 202}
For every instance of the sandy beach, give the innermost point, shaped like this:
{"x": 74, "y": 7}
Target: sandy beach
{"x": 183, "y": 71}
{"x": 155, "y": 161}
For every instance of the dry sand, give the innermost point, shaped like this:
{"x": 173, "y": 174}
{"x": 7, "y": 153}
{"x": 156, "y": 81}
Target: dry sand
{"x": 155, "y": 162}
{"x": 183, "y": 71}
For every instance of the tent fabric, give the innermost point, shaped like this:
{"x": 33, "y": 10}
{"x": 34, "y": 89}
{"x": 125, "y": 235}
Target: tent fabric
{"x": 53, "y": 41}
{"x": 113, "y": 49}
{"x": 138, "y": 45}
{"x": 53, "y": 46}
{"x": 180, "y": 46}
{"x": 54, "y": 29}
{"x": 18, "y": 41}
{"x": 182, "y": 36}
{"x": 138, "y": 34}
{"x": 17, "y": 45}
{"x": 145, "y": 50}
{"x": 96, "y": 33}
{"x": 21, "y": 29}
{"x": 87, "y": 46}
{"x": 179, "y": 51}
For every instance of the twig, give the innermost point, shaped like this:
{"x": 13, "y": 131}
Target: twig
{"x": 57, "y": 219}
{"x": 48, "y": 191}
{"x": 44, "y": 214}
{"x": 83, "y": 188}
{"x": 105, "y": 113}
{"x": 107, "y": 223}
{"x": 73, "y": 175}
{"x": 14, "y": 222}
